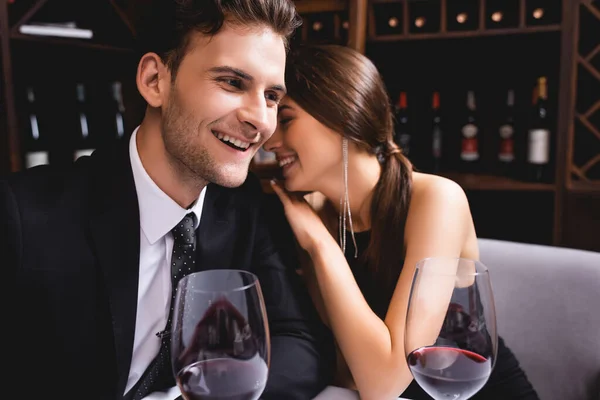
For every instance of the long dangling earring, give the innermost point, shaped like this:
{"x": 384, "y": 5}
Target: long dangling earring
{"x": 345, "y": 204}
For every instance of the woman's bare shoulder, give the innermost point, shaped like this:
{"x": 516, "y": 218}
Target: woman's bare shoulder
{"x": 429, "y": 187}
{"x": 438, "y": 203}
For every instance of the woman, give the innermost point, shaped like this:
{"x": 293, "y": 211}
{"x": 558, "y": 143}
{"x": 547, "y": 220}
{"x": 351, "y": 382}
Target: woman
{"x": 334, "y": 140}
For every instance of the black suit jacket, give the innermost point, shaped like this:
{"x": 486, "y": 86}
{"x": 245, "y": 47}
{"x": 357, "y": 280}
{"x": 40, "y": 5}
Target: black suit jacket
{"x": 70, "y": 239}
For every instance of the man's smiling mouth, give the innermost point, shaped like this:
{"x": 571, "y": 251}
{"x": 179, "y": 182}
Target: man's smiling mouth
{"x": 232, "y": 142}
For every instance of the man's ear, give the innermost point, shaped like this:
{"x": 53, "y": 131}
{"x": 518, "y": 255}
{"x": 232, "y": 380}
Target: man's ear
{"x": 153, "y": 79}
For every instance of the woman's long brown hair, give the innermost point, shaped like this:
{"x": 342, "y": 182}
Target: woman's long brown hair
{"x": 343, "y": 90}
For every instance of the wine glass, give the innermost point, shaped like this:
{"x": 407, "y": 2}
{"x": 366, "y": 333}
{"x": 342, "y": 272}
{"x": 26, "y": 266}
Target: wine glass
{"x": 451, "y": 340}
{"x": 220, "y": 346}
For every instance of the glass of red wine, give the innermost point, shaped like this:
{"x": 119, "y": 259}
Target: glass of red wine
{"x": 450, "y": 336}
{"x": 220, "y": 347}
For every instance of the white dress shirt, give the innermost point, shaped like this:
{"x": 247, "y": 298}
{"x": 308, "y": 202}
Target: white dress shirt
{"x": 158, "y": 215}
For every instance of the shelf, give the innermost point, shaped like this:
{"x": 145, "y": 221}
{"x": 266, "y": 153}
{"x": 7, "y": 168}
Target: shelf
{"x": 68, "y": 42}
{"x": 491, "y": 182}
{"x": 315, "y": 6}
{"x": 584, "y": 186}
{"x": 99, "y": 25}
{"x": 466, "y": 34}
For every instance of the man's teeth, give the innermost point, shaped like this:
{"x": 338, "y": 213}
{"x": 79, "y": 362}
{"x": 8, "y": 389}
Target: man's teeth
{"x": 234, "y": 141}
{"x": 286, "y": 161}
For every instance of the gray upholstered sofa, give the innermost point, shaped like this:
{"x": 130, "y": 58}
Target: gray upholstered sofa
{"x": 548, "y": 310}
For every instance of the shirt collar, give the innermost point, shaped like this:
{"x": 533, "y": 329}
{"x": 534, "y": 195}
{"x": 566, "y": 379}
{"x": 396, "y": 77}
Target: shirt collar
{"x": 158, "y": 212}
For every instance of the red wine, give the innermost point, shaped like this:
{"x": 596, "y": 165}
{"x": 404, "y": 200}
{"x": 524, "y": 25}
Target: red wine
{"x": 449, "y": 373}
{"x": 223, "y": 379}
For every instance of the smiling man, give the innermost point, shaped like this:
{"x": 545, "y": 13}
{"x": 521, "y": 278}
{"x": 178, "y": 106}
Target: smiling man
{"x": 207, "y": 119}
{"x": 93, "y": 251}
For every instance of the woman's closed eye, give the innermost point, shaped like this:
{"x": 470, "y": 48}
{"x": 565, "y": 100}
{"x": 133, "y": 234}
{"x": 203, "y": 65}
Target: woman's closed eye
{"x": 284, "y": 121}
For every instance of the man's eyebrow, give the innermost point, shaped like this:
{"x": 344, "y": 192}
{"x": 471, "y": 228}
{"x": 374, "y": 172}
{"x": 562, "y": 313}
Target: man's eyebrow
{"x": 232, "y": 70}
{"x": 243, "y": 75}
{"x": 279, "y": 88}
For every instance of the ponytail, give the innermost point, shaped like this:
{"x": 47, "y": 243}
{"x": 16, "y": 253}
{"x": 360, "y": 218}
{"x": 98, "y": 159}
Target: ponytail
{"x": 389, "y": 208}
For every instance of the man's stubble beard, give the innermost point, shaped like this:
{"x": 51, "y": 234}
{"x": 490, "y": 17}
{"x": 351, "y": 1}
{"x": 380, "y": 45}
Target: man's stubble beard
{"x": 191, "y": 159}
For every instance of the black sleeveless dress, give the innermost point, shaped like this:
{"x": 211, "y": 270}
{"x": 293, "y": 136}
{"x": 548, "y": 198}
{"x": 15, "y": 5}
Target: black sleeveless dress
{"x": 507, "y": 380}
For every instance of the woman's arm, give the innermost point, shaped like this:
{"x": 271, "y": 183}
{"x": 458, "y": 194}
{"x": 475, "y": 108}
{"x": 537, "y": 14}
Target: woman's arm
{"x": 310, "y": 280}
{"x": 374, "y": 349}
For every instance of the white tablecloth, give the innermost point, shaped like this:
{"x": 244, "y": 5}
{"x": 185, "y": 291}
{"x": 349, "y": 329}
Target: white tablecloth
{"x": 330, "y": 393}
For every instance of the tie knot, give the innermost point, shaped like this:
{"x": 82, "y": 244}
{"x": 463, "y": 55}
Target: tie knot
{"x": 184, "y": 231}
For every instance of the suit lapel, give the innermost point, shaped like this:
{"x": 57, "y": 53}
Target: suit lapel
{"x": 216, "y": 231}
{"x": 115, "y": 229}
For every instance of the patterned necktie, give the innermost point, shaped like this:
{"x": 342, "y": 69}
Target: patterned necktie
{"x": 159, "y": 375}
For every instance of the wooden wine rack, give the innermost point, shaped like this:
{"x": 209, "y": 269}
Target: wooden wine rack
{"x": 9, "y": 32}
{"x": 584, "y": 170}
{"x": 576, "y": 186}
{"x": 483, "y": 25}
{"x": 574, "y": 195}
{"x": 357, "y": 19}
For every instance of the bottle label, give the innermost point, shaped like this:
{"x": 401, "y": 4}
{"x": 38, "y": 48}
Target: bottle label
{"x": 469, "y": 150}
{"x": 539, "y": 146}
{"x": 507, "y": 150}
{"x": 506, "y": 131}
{"x": 34, "y": 158}
{"x": 469, "y": 131}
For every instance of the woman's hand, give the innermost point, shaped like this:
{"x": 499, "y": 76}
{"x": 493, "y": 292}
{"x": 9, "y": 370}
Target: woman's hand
{"x": 306, "y": 224}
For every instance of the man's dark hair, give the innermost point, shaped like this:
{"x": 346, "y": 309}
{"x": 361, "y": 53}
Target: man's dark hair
{"x": 165, "y": 25}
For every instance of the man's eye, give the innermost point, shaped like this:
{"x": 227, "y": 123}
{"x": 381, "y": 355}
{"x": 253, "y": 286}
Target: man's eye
{"x": 236, "y": 83}
{"x": 273, "y": 97}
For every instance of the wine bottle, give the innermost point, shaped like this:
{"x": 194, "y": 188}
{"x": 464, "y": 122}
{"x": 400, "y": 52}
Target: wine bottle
{"x": 506, "y": 151}
{"x": 344, "y": 29}
{"x": 321, "y": 27}
{"x": 462, "y": 15}
{"x": 542, "y": 12}
{"x": 502, "y": 14}
{"x": 119, "y": 110}
{"x": 402, "y": 133}
{"x": 538, "y": 147}
{"x": 424, "y": 16}
{"x": 84, "y": 145}
{"x": 469, "y": 154}
{"x": 437, "y": 134}
{"x": 37, "y": 146}
{"x": 389, "y": 18}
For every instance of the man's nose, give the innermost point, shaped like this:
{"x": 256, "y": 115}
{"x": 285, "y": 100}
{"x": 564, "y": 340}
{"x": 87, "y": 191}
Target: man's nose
{"x": 257, "y": 116}
{"x": 274, "y": 141}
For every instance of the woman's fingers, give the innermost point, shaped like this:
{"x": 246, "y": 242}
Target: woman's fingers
{"x": 280, "y": 192}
